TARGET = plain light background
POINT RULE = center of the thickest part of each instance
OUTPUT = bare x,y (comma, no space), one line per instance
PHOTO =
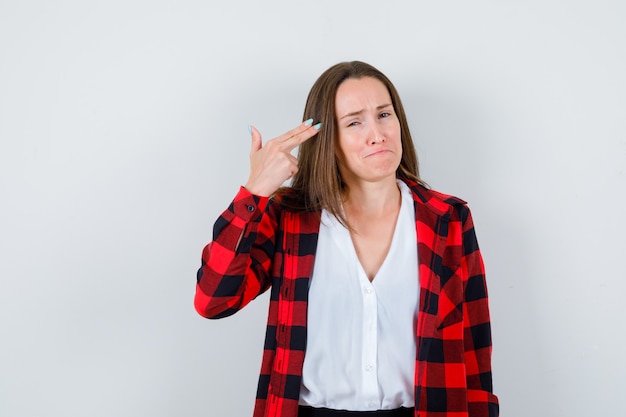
123,135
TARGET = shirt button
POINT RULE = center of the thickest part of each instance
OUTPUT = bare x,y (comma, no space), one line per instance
368,290
250,208
369,368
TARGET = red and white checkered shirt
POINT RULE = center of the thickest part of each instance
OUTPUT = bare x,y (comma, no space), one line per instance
258,244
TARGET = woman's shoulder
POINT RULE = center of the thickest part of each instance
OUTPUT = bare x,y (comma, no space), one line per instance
426,194
439,203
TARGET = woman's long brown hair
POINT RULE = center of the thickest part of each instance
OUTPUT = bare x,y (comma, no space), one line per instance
318,184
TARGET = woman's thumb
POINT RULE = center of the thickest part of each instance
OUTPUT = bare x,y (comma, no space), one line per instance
256,139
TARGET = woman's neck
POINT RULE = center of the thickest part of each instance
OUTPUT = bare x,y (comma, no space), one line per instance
372,199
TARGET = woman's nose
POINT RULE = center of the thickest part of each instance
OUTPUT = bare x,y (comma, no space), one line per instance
375,135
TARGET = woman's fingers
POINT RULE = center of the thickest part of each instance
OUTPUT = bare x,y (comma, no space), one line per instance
298,135
272,164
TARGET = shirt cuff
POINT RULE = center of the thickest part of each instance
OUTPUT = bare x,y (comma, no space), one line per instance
247,205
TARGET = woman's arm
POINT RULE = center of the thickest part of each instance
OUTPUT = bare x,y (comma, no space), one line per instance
477,326
236,264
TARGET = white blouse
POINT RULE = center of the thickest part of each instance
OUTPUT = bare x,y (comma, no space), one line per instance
360,352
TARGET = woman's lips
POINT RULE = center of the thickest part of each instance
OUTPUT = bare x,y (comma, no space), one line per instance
378,153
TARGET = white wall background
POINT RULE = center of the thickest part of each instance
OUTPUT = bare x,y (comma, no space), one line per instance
123,136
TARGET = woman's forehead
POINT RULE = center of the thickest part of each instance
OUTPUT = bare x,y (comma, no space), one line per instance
358,94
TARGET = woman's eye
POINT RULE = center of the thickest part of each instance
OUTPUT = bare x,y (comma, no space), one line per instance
385,114
353,123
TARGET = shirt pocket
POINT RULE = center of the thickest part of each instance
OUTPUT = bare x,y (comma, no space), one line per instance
450,301
453,317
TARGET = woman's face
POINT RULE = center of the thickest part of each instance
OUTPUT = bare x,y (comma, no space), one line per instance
369,146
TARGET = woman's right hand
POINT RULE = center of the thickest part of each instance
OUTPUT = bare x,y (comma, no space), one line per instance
272,164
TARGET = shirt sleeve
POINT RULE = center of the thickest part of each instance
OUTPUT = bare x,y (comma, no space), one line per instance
236,263
477,326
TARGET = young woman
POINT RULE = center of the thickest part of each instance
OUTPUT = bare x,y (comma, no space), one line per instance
378,297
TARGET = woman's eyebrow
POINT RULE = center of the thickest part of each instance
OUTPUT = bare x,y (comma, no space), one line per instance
356,113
